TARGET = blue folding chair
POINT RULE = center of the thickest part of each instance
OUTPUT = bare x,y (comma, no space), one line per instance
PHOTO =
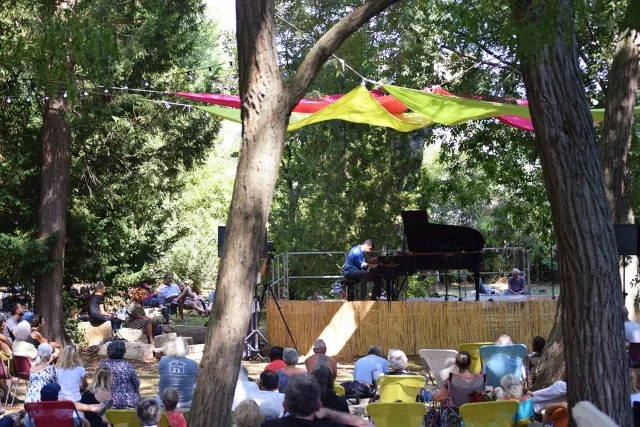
500,360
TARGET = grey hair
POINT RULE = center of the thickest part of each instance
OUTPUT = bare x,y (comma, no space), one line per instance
511,386
302,395
148,412
247,414
504,340
244,374
44,353
374,349
397,360
22,331
175,348
319,345
98,286
290,356
269,411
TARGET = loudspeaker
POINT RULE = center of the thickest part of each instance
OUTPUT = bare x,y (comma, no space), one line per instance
266,248
626,238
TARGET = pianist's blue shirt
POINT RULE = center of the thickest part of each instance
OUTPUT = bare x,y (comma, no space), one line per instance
355,260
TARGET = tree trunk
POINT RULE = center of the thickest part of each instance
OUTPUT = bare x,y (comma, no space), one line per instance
266,106
54,196
596,365
614,152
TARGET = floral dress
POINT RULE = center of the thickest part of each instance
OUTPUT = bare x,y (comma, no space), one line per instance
133,311
125,384
37,380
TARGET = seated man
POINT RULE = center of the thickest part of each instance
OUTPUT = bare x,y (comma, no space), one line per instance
315,296
319,356
16,316
97,314
189,299
355,268
168,293
516,282
366,367
268,391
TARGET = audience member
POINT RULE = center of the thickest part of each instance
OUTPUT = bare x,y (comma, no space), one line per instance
463,362
397,363
170,398
556,414
16,316
275,355
631,328
50,393
178,371
635,385
97,392
136,316
268,391
511,389
369,367
42,373
315,296
247,414
537,346
125,384
290,357
504,340
168,293
23,343
244,388
37,324
155,299
320,356
302,401
516,282
97,313
189,299
271,411
5,341
71,375
328,396
148,412
556,392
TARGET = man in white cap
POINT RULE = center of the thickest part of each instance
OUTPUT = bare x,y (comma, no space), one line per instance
516,282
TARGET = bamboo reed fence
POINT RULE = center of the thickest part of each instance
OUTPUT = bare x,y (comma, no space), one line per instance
349,328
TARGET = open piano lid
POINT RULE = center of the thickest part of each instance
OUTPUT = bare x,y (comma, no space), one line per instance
423,237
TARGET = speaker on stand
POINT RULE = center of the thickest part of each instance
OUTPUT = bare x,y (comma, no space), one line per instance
627,244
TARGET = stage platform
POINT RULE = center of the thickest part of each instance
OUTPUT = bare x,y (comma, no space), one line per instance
349,328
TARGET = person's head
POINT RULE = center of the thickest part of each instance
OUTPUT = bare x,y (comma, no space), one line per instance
397,360
45,353
511,386
138,294
276,353
248,414
302,396
99,288
22,332
324,375
168,279
463,361
181,285
504,340
50,392
320,347
538,344
101,380
69,357
176,348
315,294
625,313
635,380
515,273
2,323
37,321
16,309
170,398
269,411
148,412
290,356
84,291
367,245
375,350
268,380
116,349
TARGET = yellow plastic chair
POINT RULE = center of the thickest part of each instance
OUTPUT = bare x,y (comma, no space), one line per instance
127,418
338,389
474,350
489,414
403,388
397,414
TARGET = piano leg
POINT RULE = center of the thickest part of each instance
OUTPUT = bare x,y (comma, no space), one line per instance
476,276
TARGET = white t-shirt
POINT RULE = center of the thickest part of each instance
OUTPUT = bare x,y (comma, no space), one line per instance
69,380
635,397
244,389
632,331
274,397
169,291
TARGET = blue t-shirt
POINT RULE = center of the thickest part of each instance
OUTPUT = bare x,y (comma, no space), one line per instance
365,366
355,259
516,285
179,373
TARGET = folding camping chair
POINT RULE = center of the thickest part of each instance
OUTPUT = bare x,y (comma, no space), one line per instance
500,360
435,361
489,414
459,391
128,418
21,371
5,375
397,414
474,350
58,413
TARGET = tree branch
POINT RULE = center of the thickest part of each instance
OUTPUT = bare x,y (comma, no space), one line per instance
481,61
328,44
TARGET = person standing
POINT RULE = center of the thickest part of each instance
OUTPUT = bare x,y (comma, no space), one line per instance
516,282
355,268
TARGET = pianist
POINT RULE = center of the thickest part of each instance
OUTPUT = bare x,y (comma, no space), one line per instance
516,282
355,268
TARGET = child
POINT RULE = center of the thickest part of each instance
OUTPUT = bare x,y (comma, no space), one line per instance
170,398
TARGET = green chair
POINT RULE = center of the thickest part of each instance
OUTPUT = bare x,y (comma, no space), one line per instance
127,418
403,388
474,350
338,389
397,414
489,414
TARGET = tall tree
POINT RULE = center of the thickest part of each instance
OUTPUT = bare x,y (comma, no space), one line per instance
565,137
266,105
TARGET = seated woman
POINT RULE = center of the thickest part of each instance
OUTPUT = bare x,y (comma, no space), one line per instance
42,373
125,385
635,385
97,392
397,363
136,316
72,377
324,376
275,355
189,299
463,362
24,345
5,341
290,357
182,379
511,389
37,324
170,398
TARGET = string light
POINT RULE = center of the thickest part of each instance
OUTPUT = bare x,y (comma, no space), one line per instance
146,83
85,93
28,100
64,94
106,90
166,79
210,71
189,76
125,86
8,100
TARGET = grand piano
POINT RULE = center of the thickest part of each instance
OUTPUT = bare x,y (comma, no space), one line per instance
432,247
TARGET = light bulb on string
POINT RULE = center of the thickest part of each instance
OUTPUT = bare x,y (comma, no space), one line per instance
166,79
125,86
106,91
166,104
210,71
189,76
64,95
85,93
28,99
8,100
146,83
46,98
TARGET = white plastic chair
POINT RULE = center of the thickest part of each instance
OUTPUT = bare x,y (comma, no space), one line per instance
435,361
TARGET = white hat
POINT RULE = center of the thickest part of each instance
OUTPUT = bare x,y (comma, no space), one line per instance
515,271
